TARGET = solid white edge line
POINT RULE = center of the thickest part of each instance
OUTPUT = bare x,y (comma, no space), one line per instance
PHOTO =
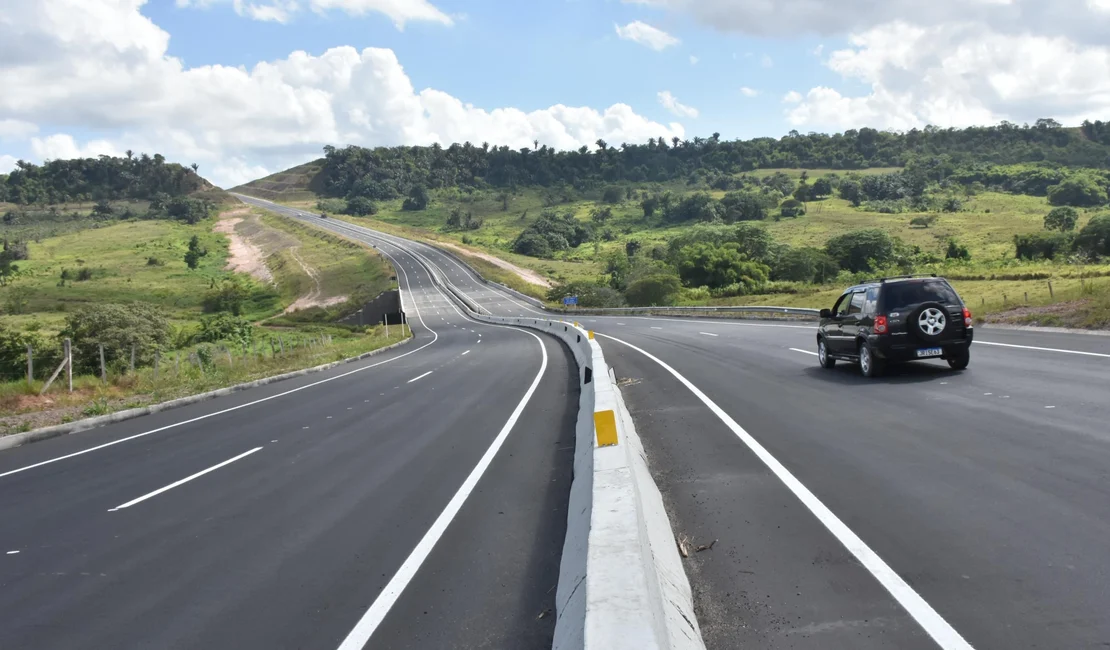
420,377
368,624
1030,347
805,351
936,627
183,481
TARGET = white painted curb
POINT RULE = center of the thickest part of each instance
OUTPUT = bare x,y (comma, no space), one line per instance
621,581
45,433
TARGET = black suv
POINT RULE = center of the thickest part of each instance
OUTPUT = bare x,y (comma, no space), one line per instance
893,320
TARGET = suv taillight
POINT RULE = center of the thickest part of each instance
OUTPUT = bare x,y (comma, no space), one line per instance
880,324
967,318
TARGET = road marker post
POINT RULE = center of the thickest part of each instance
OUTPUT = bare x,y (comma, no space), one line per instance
605,427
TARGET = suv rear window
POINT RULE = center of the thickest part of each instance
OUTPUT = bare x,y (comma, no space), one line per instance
899,295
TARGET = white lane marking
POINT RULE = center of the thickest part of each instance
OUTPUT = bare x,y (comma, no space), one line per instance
12,552
1030,347
654,328
944,634
804,351
373,617
465,353
420,377
620,323
708,334
184,480
1050,407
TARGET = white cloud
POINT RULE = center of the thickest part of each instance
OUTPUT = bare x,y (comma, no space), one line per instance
282,11
99,65
671,103
646,35
694,60
748,92
16,130
958,75
7,164
62,146
792,97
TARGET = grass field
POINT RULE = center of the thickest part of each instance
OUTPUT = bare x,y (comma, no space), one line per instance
144,261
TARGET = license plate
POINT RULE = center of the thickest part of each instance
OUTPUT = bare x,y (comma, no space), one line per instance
929,352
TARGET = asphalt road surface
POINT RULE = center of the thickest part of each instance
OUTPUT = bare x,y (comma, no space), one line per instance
417,498
924,509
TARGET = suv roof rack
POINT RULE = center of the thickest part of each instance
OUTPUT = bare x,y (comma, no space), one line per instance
902,277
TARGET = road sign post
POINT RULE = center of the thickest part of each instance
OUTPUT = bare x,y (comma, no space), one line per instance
570,301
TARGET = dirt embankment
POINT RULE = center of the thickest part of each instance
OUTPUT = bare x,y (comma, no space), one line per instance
528,275
252,242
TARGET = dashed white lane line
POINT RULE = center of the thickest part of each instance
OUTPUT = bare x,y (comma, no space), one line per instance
936,627
465,353
708,334
1030,347
184,480
420,377
12,552
657,328
804,351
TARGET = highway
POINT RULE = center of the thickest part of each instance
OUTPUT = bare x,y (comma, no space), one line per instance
924,509
417,498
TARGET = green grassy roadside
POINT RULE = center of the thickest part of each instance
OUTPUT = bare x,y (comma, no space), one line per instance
144,261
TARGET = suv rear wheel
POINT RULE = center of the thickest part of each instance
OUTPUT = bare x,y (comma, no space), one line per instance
823,354
869,364
959,360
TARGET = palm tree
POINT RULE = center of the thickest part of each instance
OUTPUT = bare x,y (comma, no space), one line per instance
195,167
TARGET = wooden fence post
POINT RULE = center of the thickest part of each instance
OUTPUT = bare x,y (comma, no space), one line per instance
176,363
156,357
385,319
1050,293
281,342
30,364
132,365
67,349
1027,297
103,370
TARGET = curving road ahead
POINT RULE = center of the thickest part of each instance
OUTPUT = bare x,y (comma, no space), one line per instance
925,509
928,508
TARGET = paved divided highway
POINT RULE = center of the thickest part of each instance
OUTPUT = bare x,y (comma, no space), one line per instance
420,496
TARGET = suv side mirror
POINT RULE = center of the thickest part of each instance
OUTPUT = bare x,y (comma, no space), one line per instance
826,313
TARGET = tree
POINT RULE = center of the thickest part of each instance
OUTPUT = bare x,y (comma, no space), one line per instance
632,247
956,251
194,253
804,265
417,199
656,289
850,190
742,206
1079,190
719,266
532,244
1062,218
361,206
650,205
1094,238
861,250
229,296
612,194
103,209
821,188
117,327
1039,245
792,207
601,215
588,293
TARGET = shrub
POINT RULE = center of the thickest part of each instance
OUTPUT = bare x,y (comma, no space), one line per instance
1040,245
13,353
589,294
225,327
861,250
804,265
154,261
361,206
657,289
1079,190
1062,218
792,208
613,194
952,204
117,327
532,245
229,296
417,199
84,274
718,266
923,221
956,251
1094,238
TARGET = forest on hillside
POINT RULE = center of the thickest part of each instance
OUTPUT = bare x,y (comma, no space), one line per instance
104,178
391,172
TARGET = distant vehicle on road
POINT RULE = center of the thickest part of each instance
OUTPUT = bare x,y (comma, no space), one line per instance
323,215
892,320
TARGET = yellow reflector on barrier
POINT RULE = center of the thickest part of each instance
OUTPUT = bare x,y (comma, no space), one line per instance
605,424
590,334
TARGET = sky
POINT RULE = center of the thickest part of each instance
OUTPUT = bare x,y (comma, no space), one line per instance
245,88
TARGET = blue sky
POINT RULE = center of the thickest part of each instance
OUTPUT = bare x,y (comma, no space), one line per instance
219,82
